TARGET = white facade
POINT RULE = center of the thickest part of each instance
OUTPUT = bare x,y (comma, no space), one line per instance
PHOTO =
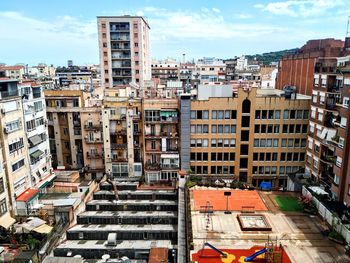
268,81
35,124
242,63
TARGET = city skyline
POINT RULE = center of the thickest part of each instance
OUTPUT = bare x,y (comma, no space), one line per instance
37,32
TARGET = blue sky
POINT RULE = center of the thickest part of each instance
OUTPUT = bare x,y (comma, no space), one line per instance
55,31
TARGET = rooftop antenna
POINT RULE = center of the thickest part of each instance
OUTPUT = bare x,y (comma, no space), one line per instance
347,27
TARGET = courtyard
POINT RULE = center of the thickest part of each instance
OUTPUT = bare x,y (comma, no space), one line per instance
295,234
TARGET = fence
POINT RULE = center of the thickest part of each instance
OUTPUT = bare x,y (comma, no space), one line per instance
327,215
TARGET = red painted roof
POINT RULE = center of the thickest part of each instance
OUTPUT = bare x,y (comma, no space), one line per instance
27,195
11,67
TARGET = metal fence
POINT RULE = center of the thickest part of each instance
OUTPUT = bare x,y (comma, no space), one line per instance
328,216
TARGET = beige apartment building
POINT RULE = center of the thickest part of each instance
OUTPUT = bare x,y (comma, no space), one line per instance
75,131
122,133
5,216
254,136
13,142
161,139
124,50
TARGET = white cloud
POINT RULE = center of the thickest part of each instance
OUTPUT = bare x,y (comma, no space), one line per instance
300,8
205,24
244,16
216,10
62,36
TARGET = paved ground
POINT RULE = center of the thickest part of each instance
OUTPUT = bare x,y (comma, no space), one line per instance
298,233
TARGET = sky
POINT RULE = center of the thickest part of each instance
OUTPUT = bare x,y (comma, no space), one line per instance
54,31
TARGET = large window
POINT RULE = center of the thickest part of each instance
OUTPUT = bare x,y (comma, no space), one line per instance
16,145
13,126
2,188
17,165
3,207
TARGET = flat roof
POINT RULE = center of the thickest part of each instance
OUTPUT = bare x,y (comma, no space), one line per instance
128,213
28,195
132,202
125,244
124,192
126,17
135,228
276,92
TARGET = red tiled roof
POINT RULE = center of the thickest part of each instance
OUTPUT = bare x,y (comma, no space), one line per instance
27,195
11,67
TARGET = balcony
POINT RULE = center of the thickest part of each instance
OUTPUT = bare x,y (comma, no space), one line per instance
170,166
329,159
120,47
153,136
92,127
137,132
8,94
120,160
119,146
92,141
152,166
94,155
121,57
95,169
169,119
120,38
119,132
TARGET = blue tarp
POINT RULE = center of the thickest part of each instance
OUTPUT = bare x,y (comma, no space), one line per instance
266,186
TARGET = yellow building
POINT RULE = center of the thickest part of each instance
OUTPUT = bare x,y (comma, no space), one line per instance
253,136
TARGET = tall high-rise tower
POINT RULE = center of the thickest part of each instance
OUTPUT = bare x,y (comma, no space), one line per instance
124,50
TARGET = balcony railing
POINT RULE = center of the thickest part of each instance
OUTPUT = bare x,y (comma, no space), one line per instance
90,127
94,155
120,160
152,166
170,166
8,94
97,140
328,159
119,145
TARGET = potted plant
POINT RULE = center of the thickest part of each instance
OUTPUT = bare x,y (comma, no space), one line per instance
336,237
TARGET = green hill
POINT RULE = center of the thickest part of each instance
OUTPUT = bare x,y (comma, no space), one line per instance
275,56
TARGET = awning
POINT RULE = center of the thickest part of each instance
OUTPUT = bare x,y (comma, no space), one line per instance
46,181
331,134
6,221
36,154
43,229
170,156
34,140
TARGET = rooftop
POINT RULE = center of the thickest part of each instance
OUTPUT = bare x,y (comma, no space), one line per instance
114,227
128,213
126,244
27,195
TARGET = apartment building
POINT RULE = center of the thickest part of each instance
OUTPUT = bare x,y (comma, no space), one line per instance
254,136
162,72
328,148
35,125
13,72
161,139
124,50
5,216
13,142
92,138
298,69
210,70
64,127
122,133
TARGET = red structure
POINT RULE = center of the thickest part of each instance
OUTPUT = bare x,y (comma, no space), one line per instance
298,69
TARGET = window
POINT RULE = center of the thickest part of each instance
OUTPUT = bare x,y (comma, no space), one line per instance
284,143
277,114
214,114
220,114
193,143
213,142
13,126
2,188
286,114
3,207
38,106
339,161
16,145
233,128
205,115
213,129
227,114
336,179
233,143
205,128
193,114
17,165
205,143
306,114
346,102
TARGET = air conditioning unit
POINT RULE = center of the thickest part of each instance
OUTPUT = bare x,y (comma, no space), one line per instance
6,130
